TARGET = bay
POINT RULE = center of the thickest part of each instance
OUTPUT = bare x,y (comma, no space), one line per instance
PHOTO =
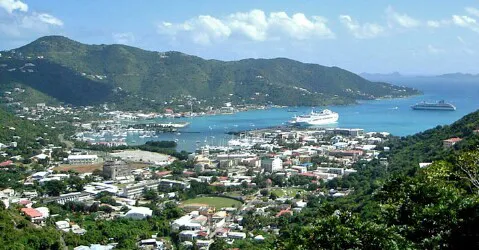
389,115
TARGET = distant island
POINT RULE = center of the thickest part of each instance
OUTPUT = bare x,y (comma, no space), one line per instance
396,76
58,69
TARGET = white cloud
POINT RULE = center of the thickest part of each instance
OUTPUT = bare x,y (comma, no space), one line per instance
402,20
202,30
28,24
48,19
472,11
466,22
434,50
12,5
254,25
366,30
124,38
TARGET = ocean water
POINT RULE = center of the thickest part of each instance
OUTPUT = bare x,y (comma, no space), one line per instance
391,115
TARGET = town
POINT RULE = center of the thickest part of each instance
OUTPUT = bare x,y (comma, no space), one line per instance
233,193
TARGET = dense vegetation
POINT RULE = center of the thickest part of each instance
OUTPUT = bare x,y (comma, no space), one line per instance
77,73
18,233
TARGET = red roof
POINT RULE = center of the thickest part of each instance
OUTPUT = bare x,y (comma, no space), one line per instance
308,174
6,163
454,139
31,212
283,212
163,173
203,234
223,178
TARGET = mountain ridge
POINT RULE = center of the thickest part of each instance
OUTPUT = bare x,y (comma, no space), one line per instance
121,73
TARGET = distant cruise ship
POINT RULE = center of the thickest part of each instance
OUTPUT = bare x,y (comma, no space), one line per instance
316,118
441,105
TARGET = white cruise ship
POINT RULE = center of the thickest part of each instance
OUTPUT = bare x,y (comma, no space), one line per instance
316,118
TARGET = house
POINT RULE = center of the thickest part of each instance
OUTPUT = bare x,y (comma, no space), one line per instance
236,235
188,235
139,213
34,215
151,244
63,225
451,142
40,175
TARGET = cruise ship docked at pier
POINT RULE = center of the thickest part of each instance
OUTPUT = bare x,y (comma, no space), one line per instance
316,118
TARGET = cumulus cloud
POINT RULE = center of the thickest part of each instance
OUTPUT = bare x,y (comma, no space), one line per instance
364,31
124,38
48,19
254,25
19,22
402,20
466,22
13,5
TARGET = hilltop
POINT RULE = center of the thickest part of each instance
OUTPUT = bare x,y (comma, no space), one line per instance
81,74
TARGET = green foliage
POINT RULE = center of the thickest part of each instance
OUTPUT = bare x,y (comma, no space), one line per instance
18,233
54,187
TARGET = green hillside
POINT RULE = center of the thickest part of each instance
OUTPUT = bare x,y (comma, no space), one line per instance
77,73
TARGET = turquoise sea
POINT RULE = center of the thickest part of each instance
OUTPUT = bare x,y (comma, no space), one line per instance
391,115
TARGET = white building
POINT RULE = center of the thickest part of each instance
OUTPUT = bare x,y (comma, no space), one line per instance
272,165
82,159
139,213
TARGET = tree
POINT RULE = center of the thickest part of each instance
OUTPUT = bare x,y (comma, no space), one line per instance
468,164
273,196
264,192
150,194
54,187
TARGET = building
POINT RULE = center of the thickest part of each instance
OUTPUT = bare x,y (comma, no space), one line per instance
82,159
64,198
272,165
34,215
139,213
236,235
451,142
136,190
115,169
166,185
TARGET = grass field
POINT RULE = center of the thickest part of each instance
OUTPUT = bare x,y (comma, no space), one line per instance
217,202
291,192
80,168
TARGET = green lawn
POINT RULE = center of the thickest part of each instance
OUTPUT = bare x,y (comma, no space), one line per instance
217,202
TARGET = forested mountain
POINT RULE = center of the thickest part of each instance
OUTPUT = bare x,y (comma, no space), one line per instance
77,73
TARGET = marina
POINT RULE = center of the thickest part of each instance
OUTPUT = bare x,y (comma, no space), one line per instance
216,131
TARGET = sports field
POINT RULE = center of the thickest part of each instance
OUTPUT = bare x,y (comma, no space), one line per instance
217,202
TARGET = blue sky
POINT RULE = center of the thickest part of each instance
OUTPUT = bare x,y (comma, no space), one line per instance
412,37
